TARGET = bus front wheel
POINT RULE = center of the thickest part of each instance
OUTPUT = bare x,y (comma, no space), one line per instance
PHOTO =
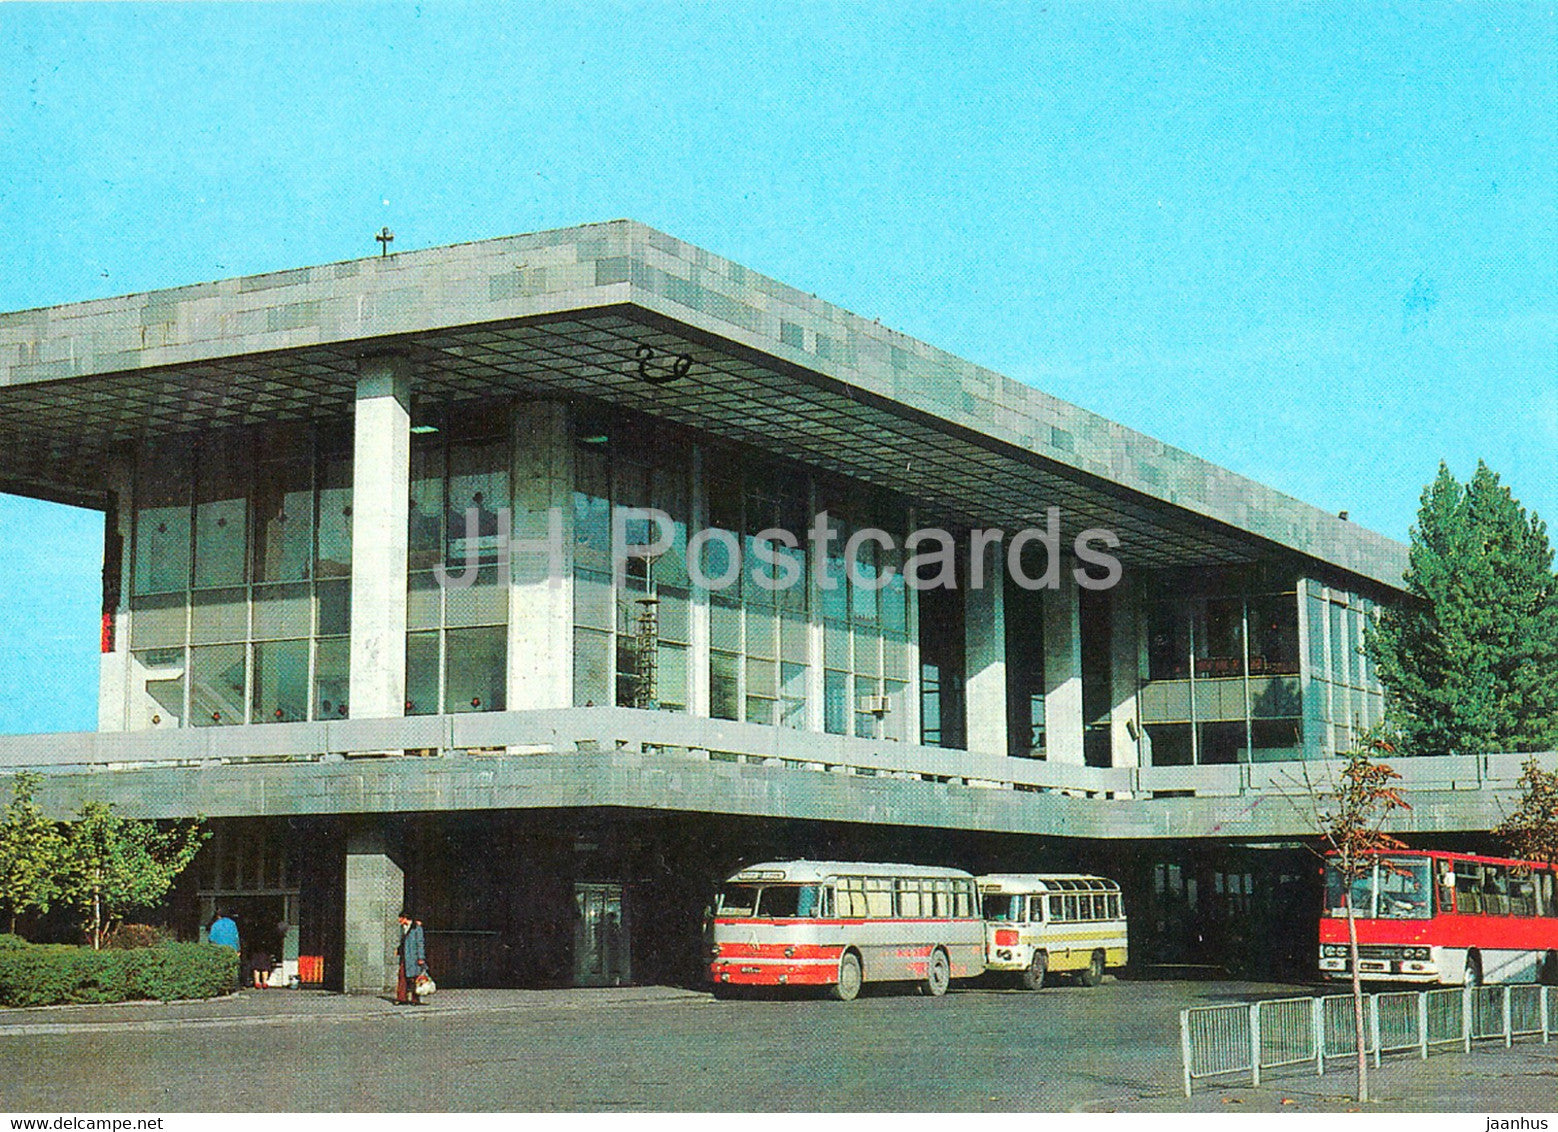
1033,975
938,974
848,985
1093,973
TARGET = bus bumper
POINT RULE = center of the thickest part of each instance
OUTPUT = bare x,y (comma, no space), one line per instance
774,972
1383,970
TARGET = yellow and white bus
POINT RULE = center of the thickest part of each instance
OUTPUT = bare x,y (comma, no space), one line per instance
1040,923
838,924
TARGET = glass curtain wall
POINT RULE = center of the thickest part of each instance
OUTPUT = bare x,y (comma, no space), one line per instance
240,576
1343,695
457,635
1222,678
632,637
865,651
631,640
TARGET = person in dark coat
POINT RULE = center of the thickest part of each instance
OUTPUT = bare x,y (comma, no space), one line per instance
413,960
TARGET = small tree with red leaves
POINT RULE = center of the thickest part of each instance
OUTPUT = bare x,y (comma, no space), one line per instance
1350,819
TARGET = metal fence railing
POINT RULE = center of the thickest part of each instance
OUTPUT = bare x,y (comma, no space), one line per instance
1248,1038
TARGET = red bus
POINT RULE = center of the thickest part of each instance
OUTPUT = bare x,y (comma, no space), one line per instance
1451,918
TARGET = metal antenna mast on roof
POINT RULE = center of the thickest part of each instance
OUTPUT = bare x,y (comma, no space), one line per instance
385,238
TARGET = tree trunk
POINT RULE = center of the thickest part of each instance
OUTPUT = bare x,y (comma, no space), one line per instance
1357,997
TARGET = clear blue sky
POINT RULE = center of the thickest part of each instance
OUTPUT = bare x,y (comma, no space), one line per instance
1313,243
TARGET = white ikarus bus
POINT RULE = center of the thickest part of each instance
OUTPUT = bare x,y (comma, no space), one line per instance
1040,923
838,924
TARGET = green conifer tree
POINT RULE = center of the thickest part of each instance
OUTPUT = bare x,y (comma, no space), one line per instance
1471,662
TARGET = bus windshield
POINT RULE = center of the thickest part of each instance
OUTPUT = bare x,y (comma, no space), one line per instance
770,901
1002,907
1396,888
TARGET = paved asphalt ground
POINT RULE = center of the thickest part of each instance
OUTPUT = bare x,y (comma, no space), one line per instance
653,1049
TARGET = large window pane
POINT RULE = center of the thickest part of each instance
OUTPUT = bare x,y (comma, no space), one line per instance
591,667
216,685
724,687
162,522
335,514
835,702
422,673
1168,641
280,682
672,683
221,512
1274,634
163,671
332,678
424,527
479,482
476,667
284,506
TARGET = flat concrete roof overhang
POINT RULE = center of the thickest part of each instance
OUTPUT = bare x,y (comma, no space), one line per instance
570,313
622,758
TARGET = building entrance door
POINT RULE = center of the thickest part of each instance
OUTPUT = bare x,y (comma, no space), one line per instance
600,936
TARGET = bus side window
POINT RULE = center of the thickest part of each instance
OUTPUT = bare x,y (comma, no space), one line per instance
825,903
962,909
909,903
1495,890
1468,888
1055,912
852,898
1522,894
1071,908
1549,892
879,897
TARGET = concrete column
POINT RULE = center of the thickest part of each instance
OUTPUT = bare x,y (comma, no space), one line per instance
114,672
984,650
1124,672
375,890
1063,672
698,601
540,645
910,726
816,640
381,475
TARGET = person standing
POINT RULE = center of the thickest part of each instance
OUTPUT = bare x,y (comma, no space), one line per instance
413,960
224,933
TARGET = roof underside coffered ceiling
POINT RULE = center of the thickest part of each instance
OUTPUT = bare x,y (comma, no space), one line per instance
57,434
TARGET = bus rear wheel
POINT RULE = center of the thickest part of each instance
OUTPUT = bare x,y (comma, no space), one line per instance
848,985
1033,974
1093,973
938,974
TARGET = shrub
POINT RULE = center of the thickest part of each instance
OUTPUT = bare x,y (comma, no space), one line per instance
126,936
46,974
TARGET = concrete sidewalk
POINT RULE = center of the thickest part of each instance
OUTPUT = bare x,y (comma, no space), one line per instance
1491,1079
285,1007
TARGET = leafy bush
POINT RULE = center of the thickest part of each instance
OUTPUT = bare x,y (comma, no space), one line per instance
46,974
126,936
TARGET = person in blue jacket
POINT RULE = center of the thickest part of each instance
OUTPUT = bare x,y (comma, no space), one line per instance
413,960
224,933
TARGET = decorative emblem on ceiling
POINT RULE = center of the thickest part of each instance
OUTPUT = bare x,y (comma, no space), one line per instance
661,369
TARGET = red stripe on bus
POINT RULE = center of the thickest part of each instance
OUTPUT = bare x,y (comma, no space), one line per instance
1534,933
